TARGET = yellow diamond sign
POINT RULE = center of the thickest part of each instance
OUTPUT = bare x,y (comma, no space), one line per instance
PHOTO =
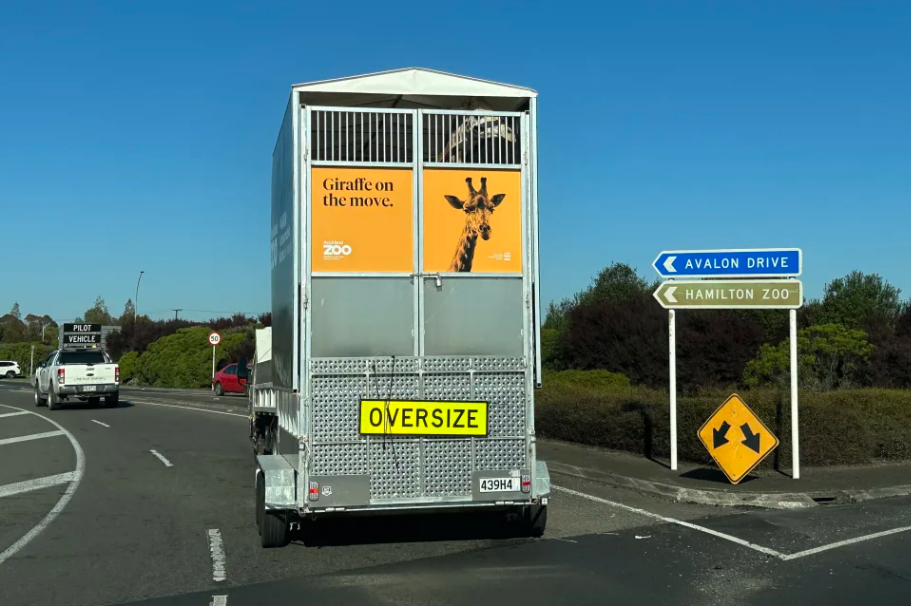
736,438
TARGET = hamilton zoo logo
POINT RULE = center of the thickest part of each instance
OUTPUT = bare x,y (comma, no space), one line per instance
336,251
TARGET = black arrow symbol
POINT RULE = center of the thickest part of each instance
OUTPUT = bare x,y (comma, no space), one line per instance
718,435
751,439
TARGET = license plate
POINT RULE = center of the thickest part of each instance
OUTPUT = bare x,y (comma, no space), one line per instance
90,388
500,485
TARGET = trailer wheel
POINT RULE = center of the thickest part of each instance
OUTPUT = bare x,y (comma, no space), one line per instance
274,530
534,520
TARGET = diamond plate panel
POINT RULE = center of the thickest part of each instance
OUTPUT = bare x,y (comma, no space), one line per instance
339,459
335,402
498,364
492,453
395,469
447,468
447,364
447,387
506,394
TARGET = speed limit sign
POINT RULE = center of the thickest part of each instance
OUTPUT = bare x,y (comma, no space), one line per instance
214,338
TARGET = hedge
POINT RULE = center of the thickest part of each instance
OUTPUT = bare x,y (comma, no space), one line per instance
849,427
22,353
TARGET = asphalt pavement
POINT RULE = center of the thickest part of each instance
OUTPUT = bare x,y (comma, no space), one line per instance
152,503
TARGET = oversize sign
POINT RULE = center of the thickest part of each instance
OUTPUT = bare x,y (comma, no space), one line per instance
422,418
730,294
362,220
737,440
734,263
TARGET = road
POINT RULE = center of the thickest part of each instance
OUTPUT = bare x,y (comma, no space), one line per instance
152,503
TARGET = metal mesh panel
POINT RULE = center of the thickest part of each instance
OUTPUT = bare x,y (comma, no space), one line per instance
335,403
447,387
351,366
499,364
447,468
360,136
506,394
339,459
472,139
500,454
395,469
446,364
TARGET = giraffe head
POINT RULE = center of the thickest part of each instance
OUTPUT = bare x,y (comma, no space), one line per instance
478,207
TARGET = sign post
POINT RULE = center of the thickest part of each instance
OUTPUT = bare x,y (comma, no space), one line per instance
749,278
214,340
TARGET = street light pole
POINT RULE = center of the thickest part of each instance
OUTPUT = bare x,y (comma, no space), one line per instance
136,298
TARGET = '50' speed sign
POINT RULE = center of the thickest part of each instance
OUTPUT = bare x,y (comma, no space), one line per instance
214,338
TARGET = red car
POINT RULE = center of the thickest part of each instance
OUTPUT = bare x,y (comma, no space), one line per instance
227,381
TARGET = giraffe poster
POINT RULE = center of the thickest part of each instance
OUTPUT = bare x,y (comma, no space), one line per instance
472,221
362,220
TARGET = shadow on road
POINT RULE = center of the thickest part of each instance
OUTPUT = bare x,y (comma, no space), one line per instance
337,532
80,405
707,474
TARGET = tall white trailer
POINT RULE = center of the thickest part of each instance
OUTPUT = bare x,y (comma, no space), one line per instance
405,342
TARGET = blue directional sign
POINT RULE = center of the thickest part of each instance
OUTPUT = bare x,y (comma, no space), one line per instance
734,263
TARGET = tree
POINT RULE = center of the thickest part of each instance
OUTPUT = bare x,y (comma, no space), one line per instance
829,356
129,312
98,314
12,329
860,301
15,311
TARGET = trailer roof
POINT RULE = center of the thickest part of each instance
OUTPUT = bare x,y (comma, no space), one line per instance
415,87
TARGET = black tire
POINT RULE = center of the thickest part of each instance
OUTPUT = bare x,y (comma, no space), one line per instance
39,401
260,502
113,400
53,402
219,390
274,530
535,520
11,375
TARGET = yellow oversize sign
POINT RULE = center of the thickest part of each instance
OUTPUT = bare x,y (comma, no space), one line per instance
736,438
423,418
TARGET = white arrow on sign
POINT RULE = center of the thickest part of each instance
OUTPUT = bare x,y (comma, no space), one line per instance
669,294
669,264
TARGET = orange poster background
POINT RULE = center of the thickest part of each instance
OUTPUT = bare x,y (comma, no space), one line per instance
380,237
444,225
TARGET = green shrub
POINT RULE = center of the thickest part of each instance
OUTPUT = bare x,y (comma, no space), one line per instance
127,363
184,359
22,353
849,427
590,379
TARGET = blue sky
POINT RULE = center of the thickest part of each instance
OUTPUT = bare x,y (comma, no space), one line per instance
147,133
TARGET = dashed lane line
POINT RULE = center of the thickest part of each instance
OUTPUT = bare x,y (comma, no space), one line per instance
219,600
100,423
34,436
161,458
64,500
216,548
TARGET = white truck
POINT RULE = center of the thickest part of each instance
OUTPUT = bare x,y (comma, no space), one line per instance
405,338
78,369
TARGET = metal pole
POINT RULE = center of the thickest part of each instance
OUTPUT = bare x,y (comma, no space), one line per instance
31,364
136,298
213,367
795,433
672,329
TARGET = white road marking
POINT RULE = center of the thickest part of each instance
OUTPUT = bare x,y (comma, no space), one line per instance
14,414
28,485
727,537
820,549
64,500
34,436
161,458
655,516
219,600
214,412
216,548
102,424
